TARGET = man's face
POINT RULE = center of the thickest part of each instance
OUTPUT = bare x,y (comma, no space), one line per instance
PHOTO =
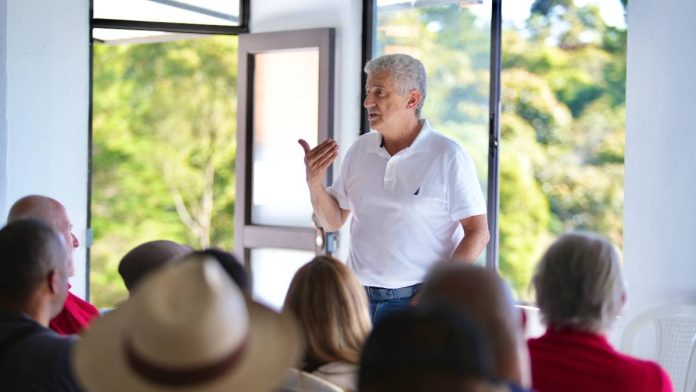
386,109
64,228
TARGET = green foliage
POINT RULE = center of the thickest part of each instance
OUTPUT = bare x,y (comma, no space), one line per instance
562,120
164,150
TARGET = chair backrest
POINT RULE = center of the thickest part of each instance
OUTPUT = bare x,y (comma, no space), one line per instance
675,340
299,381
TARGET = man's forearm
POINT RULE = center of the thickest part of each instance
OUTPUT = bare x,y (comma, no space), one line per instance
326,208
471,246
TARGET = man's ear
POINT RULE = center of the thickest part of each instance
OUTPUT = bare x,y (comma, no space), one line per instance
414,98
52,281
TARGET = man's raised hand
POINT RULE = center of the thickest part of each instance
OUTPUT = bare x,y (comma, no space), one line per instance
318,159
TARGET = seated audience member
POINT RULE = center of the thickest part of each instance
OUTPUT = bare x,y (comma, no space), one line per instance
332,309
484,297
76,313
147,257
426,348
33,287
188,327
580,291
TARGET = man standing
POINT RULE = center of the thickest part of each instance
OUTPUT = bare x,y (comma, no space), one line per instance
76,313
414,195
33,287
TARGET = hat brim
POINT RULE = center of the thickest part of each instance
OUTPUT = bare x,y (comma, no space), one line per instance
100,362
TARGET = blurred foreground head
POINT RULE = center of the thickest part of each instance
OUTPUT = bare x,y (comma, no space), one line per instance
579,284
484,297
426,348
188,327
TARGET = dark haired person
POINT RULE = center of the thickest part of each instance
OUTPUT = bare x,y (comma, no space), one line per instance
484,297
33,287
427,348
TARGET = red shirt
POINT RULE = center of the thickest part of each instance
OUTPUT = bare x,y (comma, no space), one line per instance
74,317
573,361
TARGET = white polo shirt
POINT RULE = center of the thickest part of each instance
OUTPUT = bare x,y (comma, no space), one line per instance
405,208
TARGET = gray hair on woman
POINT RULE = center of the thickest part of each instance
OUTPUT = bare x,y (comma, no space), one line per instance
406,72
579,284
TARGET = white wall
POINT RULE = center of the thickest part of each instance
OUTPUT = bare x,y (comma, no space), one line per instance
660,181
3,105
346,17
47,98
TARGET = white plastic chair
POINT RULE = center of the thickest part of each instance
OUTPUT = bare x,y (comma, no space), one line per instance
675,339
299,381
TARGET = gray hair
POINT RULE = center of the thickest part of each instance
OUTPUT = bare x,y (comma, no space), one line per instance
406,72
579,284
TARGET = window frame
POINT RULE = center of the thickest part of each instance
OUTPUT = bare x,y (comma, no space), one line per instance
174,27
249,235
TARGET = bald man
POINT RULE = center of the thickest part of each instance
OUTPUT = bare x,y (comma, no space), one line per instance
77,313
484,297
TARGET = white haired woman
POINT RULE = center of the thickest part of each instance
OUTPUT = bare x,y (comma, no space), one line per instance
580,291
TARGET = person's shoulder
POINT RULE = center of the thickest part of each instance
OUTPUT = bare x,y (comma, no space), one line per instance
445,144
52,341
653,374
81,303
367,138
646,375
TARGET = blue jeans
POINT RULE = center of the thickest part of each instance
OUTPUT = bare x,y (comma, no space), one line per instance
384,301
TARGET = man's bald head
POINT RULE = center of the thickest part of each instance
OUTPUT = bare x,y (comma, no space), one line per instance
483,296
146,258
51,211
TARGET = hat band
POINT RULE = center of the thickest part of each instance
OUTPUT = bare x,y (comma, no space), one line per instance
181,376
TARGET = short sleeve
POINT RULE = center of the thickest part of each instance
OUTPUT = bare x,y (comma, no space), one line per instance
464,195
339,188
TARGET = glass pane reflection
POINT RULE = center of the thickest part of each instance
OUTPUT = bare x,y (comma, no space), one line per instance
285,109
208,12
272,270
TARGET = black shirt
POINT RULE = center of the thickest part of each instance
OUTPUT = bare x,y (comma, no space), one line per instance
32,357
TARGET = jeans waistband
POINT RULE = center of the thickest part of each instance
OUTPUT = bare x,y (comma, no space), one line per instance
382,294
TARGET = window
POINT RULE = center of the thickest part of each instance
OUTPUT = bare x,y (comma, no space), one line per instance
163,135
192,12
562,96
562,127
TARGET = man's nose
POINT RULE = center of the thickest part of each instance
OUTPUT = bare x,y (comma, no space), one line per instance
75,242
368,102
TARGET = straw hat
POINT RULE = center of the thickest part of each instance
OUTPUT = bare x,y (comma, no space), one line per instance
187,328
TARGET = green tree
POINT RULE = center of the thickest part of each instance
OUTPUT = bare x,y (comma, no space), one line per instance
164,150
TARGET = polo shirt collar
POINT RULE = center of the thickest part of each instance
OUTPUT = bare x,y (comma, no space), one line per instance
419,143
423,137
